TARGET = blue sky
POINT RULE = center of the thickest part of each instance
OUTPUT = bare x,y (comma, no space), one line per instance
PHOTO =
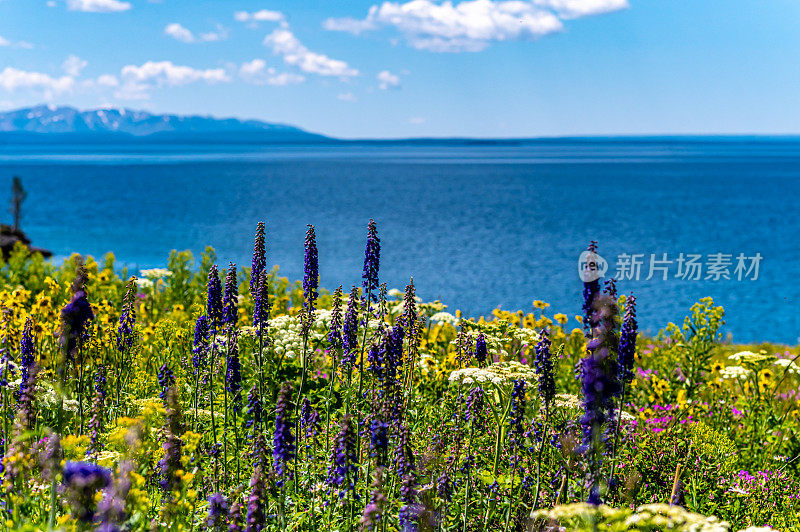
486,68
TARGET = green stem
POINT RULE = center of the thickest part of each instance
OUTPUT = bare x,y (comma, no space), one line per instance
466,497
225,416
211,399
297,404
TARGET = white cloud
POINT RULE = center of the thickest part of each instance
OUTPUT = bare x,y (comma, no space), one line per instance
183,34
73,65
178,32
220,34
107,80
98,6
416,120
569,9
351,25
284,43
167,73
471,25
18,44
252,68
347,97
264,15
387,80
12,79
283,78
256,72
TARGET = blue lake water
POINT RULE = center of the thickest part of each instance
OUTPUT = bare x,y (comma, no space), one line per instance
476,226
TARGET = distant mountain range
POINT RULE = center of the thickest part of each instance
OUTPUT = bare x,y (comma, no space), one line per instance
46,124
50,123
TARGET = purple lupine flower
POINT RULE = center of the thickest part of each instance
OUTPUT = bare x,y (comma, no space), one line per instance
309,423
410,310
127,319
375,358
217,512
544,368
171,462
372,257
411,510
676,498
310,271
230,300
481,352
283,445
27,352
261,303
49,454
233,377
6,369
76,314
256,502
254,409
235,517
259,258
610,288
98,404
81,481
444,487
343,469
26,406
111,509
516,430
350,332
377,502
202,330
259,452
475,404
393,353
335,330
214,298
403,453
379,440
590,290
627,342
166,379
599,385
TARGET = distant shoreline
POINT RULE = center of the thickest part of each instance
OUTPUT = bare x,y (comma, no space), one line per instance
249,139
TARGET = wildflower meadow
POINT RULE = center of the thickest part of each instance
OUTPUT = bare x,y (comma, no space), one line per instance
214,396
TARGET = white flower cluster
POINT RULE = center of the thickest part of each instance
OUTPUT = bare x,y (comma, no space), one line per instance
394,292
749,358
527,336
48,398
499,374
788,364
584,516
567,400
668,517
495,343
286,332
735,372
444,317
155,273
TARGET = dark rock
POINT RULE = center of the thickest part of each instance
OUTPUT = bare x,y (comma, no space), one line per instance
9,238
